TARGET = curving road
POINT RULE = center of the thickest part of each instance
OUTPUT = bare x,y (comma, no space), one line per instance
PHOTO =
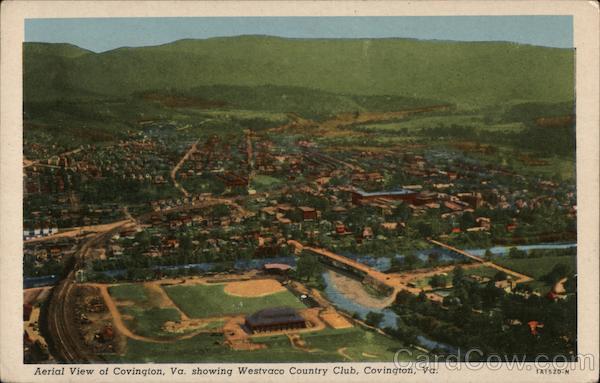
174,171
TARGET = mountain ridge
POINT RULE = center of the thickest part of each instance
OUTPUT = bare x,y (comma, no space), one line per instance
479,73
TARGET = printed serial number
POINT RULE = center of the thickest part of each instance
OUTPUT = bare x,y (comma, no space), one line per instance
551,371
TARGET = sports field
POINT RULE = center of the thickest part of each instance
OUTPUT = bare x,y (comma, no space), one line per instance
355,344
201,301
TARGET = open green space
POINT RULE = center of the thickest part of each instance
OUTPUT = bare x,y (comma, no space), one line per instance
324,344
263,182
149,321
129,292
536,267
202,301
145,317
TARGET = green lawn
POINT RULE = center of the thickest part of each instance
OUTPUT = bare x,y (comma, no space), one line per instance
147,317
210,300
356,341
149,322
262,182
536,267
129,292
210,348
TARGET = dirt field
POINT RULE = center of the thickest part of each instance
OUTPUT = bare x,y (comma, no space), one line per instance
334,319
253,288
354,289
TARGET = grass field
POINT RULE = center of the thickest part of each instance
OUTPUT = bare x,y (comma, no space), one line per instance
262,182
556,165
325,345
149,322
129,292
536,267
145,317
202,301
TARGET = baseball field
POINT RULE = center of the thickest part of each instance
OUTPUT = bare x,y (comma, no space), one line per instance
213,300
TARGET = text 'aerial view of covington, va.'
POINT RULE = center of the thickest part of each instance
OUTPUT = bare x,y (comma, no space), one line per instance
258,198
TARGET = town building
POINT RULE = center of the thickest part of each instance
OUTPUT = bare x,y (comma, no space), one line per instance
360,196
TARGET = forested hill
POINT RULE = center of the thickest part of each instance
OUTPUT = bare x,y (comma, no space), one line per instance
467,73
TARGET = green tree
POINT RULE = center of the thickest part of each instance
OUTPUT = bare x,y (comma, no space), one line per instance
221,210
488,255
433,258
500,276
458,276
437,280
558,272
424,229
411,261
374,319
308,267
513,252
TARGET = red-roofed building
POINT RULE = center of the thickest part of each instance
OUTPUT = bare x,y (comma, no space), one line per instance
277,268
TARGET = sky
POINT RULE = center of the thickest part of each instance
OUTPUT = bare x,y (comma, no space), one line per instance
102,34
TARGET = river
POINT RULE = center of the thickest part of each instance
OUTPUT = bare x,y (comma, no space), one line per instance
241,265
343,302
383,263
503,250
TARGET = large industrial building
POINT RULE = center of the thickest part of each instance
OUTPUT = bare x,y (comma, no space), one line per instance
359,196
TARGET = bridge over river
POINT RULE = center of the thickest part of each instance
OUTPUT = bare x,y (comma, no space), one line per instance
519,278
392,283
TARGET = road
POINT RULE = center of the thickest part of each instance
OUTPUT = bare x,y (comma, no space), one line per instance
249,154
401,281
117,319
521,278
390,281
374,274
27,163
174,171
68,346
210,201
77,231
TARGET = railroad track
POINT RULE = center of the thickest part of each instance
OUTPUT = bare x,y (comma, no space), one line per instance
61,325
67,342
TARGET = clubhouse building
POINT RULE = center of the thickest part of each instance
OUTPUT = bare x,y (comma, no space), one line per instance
274,319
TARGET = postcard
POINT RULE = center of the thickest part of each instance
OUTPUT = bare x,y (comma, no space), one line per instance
299,191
